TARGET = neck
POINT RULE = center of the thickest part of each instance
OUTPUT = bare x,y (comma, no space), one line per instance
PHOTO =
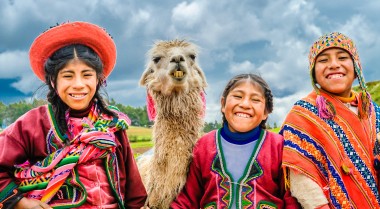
240,137
80,113
349,99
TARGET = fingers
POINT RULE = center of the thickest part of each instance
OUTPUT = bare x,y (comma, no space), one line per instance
26,203
45,206
41,205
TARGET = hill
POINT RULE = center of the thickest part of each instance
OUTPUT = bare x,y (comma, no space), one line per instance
374,89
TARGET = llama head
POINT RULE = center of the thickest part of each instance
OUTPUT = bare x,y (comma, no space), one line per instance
172,68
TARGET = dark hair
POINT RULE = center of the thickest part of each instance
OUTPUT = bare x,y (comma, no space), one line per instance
255,80
57,62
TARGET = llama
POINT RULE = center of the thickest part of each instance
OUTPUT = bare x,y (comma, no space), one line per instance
175,86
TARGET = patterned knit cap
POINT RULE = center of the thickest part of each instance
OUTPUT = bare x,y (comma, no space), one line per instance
338,40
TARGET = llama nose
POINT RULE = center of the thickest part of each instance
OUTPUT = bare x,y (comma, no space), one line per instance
177,58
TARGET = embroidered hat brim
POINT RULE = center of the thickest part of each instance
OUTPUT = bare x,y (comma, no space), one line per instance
69,33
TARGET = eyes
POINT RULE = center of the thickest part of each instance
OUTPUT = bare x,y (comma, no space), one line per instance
324,58
69,75
157,59
255,98
192,56
341,58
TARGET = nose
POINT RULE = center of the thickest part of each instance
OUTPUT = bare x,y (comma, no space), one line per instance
177,58
245,102
334,63
78,83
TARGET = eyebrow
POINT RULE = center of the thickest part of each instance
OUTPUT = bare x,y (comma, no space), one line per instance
339,52
241,91
72,71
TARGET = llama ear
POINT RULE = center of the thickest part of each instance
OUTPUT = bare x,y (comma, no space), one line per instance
142,81
144,77
150,107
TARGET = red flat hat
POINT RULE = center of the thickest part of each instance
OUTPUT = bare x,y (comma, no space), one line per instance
69,33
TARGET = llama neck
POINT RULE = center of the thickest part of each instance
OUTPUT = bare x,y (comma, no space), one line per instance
178,116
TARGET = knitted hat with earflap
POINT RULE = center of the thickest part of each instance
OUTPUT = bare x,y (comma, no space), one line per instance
338,40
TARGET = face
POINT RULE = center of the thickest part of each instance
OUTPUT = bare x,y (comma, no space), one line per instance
334,71
244,107
76,84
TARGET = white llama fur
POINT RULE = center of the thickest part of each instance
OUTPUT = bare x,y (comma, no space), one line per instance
175,82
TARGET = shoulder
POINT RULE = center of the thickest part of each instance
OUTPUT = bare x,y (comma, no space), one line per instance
207,137
205,148
274,138
30,121
34,114
207,141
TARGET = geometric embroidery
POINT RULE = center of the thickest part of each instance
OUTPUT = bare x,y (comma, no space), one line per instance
266,205
244,187
302,143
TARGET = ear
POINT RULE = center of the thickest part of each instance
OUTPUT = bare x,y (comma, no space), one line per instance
144,76
222,104
265,116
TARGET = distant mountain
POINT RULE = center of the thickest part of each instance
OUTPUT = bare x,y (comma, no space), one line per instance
373,89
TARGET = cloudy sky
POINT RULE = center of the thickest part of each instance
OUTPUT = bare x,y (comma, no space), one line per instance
271,38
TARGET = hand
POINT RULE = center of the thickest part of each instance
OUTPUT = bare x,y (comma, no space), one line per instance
26,203
144,207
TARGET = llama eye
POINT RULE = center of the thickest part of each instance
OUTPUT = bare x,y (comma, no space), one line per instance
192,56
156,59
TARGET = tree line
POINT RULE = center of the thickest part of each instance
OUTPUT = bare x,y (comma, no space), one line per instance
138,115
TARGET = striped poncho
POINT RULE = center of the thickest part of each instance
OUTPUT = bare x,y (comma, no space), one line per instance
338,153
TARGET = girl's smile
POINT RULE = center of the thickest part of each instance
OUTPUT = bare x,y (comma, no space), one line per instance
244,107
76,84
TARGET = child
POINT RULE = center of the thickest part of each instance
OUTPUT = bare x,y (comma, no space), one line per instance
239,165
331,151
73,152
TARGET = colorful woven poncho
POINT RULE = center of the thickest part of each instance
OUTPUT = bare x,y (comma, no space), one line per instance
337,152
96,141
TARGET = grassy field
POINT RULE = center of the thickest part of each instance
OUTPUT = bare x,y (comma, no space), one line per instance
136,134
140,138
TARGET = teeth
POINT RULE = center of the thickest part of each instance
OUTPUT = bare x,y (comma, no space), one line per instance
77,95
178,74
243,115
336,76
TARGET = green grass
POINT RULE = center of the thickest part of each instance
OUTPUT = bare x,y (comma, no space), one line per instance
140,138
275,130
374,89
141,144
136,134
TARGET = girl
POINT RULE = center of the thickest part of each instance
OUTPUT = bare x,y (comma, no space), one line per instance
239,165
331,151
73,152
